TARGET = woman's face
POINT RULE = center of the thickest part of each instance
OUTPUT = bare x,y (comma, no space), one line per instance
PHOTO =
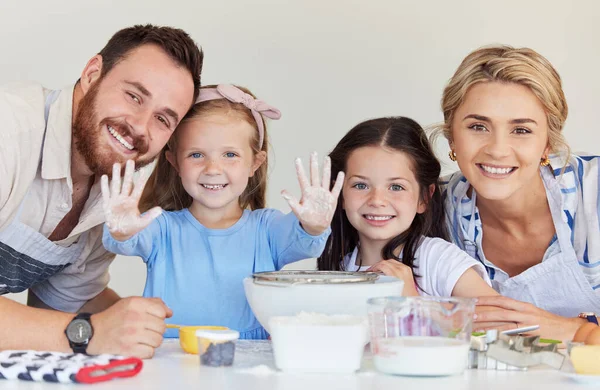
499,135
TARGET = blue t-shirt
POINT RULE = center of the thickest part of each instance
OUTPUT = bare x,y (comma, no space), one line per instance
198,272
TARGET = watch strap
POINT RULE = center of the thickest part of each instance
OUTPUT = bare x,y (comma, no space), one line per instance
590,317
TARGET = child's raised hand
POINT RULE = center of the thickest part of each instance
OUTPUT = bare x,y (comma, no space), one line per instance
317,205
120,203
398,270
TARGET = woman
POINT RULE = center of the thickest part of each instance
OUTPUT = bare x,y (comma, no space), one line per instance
521,203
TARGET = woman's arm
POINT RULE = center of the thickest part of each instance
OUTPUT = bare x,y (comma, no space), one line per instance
504,313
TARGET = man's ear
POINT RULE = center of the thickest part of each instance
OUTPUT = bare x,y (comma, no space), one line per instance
91,73
172,159
259,159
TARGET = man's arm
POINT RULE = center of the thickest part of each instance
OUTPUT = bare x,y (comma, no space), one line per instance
32,328
101,302
132,327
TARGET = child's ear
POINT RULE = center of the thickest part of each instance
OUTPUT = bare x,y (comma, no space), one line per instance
423,205
91,73
172,159
259,159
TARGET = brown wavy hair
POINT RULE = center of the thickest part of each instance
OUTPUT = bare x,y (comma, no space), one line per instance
164,186
506,64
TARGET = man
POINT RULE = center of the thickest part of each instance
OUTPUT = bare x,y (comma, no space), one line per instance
54,146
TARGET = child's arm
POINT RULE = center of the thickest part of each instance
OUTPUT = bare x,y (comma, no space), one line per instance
471,285
120,203
125,230
289,242
317,205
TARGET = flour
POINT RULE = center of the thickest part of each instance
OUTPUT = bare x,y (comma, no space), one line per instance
307,318
260,370
420,356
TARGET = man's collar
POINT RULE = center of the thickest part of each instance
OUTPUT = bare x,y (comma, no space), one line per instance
56,156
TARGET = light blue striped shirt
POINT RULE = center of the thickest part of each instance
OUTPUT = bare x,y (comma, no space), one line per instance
580,210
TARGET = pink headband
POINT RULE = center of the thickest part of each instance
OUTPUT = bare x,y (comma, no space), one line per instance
236,95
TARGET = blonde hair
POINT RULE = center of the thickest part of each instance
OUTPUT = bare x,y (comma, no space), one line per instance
164,187
506,64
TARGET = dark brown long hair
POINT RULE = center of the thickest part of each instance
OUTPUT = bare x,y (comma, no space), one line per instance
406,136
164,186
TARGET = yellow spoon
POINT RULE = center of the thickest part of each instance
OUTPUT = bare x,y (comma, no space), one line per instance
173,326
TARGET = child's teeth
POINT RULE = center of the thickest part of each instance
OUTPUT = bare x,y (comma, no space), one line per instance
213,187
119,138
379,218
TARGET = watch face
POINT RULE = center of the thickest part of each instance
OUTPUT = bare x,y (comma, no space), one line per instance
79,331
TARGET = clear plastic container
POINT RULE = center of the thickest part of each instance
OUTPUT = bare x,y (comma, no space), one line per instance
216,348
420,336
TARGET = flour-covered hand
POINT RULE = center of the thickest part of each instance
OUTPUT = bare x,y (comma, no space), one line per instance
317,205
120,203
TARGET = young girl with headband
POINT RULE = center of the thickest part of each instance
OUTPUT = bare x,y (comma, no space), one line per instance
211,181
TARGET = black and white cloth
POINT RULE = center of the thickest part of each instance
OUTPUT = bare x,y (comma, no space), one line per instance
61,367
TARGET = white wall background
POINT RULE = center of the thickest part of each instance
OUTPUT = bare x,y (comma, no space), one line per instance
327,64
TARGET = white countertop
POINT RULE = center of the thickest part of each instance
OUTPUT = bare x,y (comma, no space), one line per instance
172,369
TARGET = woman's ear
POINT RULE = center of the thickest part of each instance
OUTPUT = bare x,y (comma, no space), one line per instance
422,204
171,158
547,151
259,159
91,73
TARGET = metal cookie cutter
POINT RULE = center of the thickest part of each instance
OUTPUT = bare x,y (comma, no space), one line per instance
494,351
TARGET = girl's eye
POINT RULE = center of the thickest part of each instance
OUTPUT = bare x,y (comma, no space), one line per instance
230,155
196,155
360,186
396,187
134,98
522,130
477,127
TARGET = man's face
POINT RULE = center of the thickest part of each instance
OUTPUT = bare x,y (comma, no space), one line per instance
130,112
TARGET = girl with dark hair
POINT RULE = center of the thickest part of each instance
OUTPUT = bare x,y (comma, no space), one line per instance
390,215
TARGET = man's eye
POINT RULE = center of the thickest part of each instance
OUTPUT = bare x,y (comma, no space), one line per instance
134,98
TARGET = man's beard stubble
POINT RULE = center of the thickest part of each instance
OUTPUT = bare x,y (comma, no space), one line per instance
87,133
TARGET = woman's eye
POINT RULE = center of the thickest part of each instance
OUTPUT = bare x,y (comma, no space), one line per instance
396,187
230,155
522,130
196,155
478,127
360,186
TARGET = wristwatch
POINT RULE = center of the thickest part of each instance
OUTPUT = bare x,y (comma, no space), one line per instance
79,332
591,317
